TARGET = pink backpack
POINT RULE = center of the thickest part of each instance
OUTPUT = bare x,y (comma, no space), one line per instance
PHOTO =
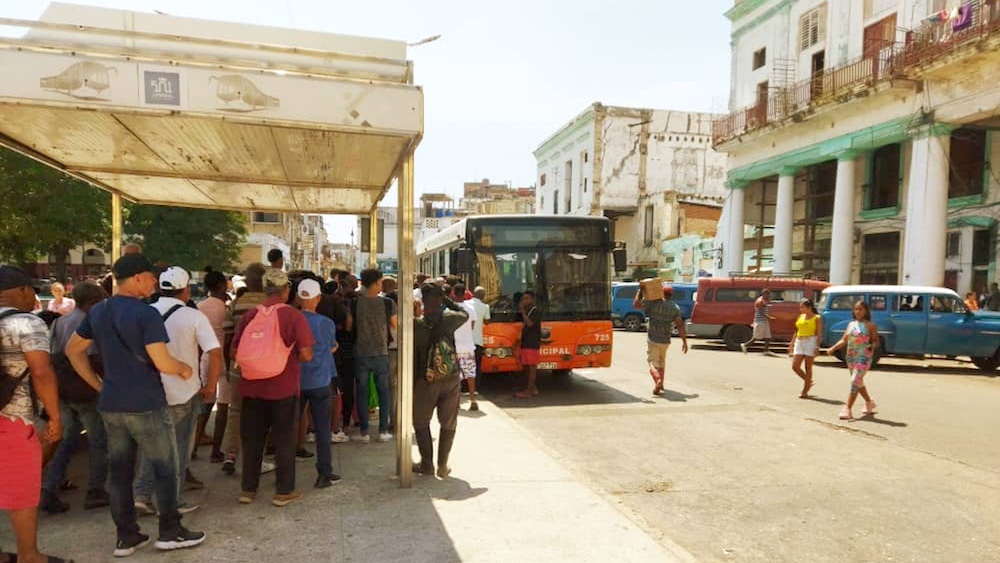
262,353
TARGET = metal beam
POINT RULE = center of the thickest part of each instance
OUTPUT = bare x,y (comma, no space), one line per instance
373,238
208,177
407,268
116,230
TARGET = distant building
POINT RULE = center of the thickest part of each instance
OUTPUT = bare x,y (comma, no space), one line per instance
484,198
652,172
299,237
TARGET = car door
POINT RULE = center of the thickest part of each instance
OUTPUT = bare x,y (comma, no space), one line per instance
949,330
908,321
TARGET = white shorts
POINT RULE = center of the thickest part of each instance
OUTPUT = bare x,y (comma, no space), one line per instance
467,361
805,346
762,331
224,389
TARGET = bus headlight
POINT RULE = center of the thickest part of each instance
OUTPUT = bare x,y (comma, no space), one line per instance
584,350
499,352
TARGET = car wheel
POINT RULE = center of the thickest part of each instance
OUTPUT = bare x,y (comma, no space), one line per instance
988,364
734,335
633,323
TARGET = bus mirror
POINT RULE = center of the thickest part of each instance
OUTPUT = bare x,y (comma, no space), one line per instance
465,256
620,258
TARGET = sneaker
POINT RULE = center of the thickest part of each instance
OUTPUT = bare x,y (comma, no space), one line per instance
128,546
143,508
870,407
303,453
324,481
96,498
183,538
191,483
229,466
339,438
187,508
743,347
310,437
363,438
267,467
384,437
217,457
52,504
285,500
246,497
845,414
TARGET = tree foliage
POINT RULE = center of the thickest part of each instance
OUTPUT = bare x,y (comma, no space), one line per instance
192,238
44,211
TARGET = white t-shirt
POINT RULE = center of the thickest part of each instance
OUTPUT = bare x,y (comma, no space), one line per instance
464,343
482,315
188,329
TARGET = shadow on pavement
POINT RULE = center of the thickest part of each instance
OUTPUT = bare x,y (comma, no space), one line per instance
834,402
554,390
874,418
677,397
451,488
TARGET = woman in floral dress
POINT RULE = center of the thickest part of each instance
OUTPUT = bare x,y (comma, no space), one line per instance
861,340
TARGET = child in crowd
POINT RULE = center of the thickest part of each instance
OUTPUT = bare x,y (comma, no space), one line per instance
861,340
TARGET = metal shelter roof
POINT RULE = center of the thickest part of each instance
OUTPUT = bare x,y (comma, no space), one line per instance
198,113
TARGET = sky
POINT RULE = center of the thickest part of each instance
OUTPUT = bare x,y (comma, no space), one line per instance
505,74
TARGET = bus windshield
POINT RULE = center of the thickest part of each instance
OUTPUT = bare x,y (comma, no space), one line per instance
570,284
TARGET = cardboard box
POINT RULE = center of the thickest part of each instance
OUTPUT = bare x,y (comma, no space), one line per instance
652,289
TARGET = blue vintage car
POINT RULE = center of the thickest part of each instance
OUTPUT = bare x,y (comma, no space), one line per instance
914,321
624,315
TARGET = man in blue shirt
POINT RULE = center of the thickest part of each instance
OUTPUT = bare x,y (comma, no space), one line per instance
132,342
317,374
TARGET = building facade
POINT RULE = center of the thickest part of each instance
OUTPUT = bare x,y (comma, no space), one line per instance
485,198
301,238
642,168
860,140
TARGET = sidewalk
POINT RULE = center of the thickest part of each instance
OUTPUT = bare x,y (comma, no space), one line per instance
507,501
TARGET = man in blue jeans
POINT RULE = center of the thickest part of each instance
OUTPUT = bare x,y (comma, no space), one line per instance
316,376
189,331
132,342
373,317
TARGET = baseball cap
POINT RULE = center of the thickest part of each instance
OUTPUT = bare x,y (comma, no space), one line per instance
131,265
174,278
309,288
12,277
274,277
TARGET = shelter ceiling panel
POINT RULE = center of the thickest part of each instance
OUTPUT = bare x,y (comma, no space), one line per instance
208,147
281,198
344,159
78,138
148,189
336,200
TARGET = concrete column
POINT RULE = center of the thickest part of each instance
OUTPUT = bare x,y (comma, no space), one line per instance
965,259
407,269
926,210
842,243
784,219
733,253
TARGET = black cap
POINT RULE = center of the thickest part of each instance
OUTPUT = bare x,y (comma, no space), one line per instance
12,277
431,290
131,265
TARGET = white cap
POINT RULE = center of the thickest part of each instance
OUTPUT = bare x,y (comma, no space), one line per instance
309,288
174,278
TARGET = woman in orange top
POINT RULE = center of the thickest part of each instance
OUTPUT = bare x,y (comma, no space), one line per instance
805,344
971,302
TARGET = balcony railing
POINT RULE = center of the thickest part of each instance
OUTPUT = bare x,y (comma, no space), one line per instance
975,21
822,87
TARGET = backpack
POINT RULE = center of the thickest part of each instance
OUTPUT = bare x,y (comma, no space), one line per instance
262,353
9,383
442,359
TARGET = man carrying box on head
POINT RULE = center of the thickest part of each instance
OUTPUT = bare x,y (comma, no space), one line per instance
655,299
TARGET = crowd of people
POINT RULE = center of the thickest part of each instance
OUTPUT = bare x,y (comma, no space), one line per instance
288,359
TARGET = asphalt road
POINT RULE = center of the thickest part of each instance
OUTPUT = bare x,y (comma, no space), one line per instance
730,465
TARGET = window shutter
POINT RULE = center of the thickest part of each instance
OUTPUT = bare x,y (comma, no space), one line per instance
804,33
821,24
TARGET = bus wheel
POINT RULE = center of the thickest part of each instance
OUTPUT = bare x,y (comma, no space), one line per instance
633,323
734,335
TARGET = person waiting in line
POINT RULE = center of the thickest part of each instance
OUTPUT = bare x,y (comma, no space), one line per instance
389,291
482,315
761,323
465,345
374,316
78,406
663,315
531,341
805,344
276,258
436,378
221,318
60,303
332,306
132,341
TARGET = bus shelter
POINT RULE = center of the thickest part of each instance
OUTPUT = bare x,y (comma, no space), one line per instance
165,110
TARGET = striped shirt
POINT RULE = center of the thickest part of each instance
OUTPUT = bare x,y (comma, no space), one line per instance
760,313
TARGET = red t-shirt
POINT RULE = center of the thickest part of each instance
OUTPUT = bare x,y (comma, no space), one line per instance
295,332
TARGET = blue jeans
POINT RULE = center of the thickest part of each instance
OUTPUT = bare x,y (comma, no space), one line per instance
321,406
152,433
379,365
77,416
185,419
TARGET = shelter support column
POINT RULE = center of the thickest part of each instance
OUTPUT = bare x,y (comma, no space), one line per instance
404,377
842,236
784,222
927,209
116,226
733,253
373,238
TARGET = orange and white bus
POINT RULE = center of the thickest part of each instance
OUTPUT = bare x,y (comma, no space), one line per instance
566,261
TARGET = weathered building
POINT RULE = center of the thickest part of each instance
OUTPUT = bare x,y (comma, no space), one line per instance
642,168
860,140
299,237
